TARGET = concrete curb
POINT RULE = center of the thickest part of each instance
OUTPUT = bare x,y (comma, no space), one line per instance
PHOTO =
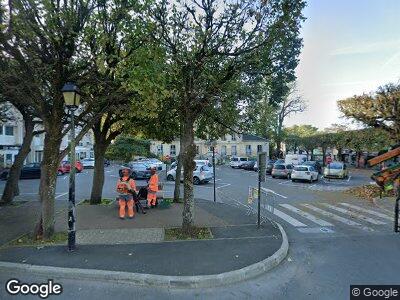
200,281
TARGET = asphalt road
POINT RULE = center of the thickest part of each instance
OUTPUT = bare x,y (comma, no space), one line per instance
335,240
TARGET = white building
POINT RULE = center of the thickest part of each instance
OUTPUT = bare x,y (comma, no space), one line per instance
227,146
12,134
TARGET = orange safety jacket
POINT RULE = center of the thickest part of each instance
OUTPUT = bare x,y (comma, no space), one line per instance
153,184
124,184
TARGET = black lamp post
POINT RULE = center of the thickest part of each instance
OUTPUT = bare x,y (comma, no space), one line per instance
72,99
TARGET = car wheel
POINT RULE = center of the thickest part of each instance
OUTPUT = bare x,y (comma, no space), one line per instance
288,176
170,177
311,180
196,180
273,176
293,180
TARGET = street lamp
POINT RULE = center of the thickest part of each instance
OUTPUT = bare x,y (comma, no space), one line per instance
72,99
213,144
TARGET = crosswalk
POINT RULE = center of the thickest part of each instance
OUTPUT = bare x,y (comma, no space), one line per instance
327,215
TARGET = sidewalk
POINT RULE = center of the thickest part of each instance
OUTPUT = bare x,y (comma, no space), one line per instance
137,246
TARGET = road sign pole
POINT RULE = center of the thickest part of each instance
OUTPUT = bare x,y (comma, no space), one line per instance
262,162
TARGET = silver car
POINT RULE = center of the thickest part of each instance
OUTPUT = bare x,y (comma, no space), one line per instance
201,174
282,170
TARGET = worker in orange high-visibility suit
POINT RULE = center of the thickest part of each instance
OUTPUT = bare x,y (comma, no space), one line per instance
126,186
152,189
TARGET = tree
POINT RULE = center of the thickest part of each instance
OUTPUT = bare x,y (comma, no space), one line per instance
125,148
380,109
42,37
14,88
295,137
213,49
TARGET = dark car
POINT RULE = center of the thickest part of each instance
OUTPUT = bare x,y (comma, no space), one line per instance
248,165
317,166
29,171
270,166
138,170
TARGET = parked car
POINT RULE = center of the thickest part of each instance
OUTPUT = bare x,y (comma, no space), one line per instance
336,170
279,162
237,162
304,172
29,171
295,159
88,162
139,170
200,162
317,166
270,165
201,174
65,167
153,162
282,170
249,165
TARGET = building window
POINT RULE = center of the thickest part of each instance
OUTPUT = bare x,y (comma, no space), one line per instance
223,150
259,148
8,158
2,160
233,150
172,150
223,138
91,154
197,149
38,156
248,150
82,155
9,130
233,137
1,129
160,151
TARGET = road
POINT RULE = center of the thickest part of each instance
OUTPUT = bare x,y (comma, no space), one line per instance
335,240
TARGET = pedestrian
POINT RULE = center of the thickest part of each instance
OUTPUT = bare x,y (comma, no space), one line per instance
152,189
126,187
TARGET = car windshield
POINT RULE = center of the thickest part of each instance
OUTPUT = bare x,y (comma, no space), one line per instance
243,159
301,169
309,163
205,168
335,166
279,167
234,159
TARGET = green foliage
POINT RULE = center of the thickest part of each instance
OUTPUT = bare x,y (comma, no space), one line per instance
125,148
379,110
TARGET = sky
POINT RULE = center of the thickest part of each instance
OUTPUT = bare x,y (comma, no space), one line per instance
350,47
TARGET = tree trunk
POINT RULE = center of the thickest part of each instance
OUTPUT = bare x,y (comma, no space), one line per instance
11,188
98,172
188,154
48,181
177,189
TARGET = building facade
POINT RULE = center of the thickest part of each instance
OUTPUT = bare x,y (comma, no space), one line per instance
12,133
228,146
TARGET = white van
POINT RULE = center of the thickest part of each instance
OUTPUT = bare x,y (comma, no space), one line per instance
295,159
237,162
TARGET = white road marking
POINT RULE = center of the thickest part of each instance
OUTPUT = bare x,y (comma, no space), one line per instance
222,186
306,215
63,194
348,179
271,191
354,215
331,215
286,217
369,211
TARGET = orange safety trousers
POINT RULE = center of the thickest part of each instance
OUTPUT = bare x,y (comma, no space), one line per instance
122,204
151,198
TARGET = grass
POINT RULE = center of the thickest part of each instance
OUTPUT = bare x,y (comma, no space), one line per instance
13,203
196,233
58,238
103,202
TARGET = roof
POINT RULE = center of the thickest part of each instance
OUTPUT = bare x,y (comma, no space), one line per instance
251,137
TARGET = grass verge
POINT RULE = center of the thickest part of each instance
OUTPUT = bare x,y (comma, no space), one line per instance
103,202
196,233
59,238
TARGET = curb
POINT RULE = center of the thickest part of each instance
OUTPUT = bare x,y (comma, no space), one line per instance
152,280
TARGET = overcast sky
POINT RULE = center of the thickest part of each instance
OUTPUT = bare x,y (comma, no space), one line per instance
350,47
